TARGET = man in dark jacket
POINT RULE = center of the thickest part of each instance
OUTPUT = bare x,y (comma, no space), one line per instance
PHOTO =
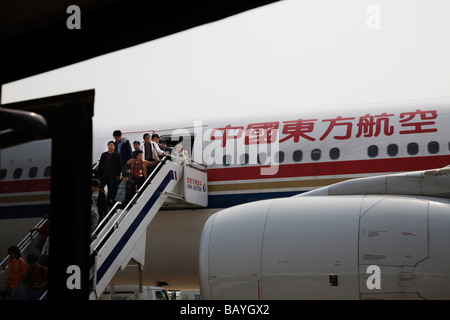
123,147
126,190
109,169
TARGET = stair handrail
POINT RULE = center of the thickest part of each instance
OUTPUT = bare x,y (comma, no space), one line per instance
95,165
105,219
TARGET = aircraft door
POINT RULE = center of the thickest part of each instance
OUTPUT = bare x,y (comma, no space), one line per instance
393,240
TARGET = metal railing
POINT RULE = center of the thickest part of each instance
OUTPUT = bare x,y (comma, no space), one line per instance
105,220
95,165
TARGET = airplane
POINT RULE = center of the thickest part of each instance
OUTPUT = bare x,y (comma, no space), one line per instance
254,163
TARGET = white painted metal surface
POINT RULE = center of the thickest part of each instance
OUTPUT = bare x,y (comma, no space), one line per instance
434,183
305,242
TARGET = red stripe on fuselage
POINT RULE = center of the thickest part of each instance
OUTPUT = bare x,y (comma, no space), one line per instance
284,171
25,186
331,168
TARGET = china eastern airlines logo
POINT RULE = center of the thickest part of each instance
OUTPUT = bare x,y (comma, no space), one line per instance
195,184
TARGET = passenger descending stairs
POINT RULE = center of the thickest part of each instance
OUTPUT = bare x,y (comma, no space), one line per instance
122,237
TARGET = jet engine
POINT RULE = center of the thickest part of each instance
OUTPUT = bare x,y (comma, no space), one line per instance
328,247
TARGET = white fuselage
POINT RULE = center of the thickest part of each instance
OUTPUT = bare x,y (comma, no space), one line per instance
248,159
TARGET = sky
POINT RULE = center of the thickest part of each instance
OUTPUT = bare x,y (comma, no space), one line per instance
289,56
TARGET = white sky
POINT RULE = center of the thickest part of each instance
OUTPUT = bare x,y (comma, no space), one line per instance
288,56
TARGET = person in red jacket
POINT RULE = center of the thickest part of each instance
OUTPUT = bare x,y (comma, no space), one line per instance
17,268
36,278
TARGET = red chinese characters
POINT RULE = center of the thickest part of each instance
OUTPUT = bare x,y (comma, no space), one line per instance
228,132
368,123
259,133
194,182
338,128
416,121
339,121
298,129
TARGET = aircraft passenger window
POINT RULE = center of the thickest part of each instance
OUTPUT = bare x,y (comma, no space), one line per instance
413,148
244,159
3,173
17,173
262,158
372,151
279,156
226,160
433,147
297,156
48,172
334,153
392,150
315,154
32,172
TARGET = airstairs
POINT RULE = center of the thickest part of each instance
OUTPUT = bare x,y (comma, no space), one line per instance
121,236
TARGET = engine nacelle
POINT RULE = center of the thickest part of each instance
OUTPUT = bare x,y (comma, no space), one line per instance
322,248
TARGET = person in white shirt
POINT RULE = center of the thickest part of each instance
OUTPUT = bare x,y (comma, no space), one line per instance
155,146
